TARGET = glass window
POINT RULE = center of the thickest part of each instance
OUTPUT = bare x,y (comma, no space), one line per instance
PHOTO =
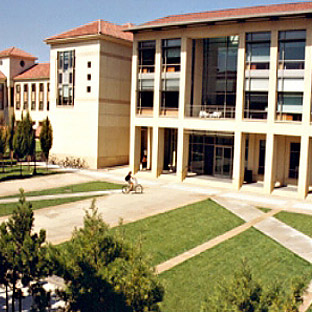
261,156
147,50
294,160
289,106
256,105
171,54
258,50
291,46
65,76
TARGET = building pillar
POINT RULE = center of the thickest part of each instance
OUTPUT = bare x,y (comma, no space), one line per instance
135,148
269,166
239,109
272,93
238,160
185,75
158,151
149,147
306,108
182,157
303,179
157,80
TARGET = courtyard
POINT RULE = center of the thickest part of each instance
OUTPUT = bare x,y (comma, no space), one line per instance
195,235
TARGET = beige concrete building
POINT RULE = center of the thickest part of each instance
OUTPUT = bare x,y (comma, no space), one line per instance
224,97
13,62
90,89
31,93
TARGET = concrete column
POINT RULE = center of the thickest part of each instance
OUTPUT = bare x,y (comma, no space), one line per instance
183,148
185,75
240,78
306,109
198,78
135,148
238,160
303,180
269,169
149,147
273,77
158,151
157,80
135,132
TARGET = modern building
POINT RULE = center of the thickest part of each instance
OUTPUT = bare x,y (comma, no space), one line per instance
225,97
90,86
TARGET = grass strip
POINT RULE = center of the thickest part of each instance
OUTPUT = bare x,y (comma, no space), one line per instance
7,209
188,284
75,188
169,234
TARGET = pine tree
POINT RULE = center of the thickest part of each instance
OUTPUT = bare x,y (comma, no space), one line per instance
102,272
23,251
46,138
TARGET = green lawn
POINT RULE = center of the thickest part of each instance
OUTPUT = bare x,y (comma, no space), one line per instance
169,234
13,173
7,209
300,222
188,284
75,188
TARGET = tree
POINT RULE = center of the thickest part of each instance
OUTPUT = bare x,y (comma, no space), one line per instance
20,142
243,293
46,138
22,252
103,273
30,142
2,144
10,136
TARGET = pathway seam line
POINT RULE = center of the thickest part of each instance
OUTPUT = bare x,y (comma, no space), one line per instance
169,264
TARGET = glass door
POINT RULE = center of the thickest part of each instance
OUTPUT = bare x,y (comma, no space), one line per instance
223,161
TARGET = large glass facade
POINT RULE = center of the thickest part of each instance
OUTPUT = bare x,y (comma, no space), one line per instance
219,76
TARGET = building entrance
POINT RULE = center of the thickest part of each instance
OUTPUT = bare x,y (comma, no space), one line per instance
211,155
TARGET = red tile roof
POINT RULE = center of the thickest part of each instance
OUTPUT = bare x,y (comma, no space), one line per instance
37,71
247,12
13,51
96,28
2,75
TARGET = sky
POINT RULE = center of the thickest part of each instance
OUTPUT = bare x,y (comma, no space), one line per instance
26,23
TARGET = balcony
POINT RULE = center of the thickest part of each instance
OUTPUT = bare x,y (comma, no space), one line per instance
210,111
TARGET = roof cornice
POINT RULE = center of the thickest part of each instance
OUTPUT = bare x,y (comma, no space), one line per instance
252,17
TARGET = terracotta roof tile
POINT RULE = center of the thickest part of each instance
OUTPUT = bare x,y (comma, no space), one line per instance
232,13
13,51
37,71
96,28
2,75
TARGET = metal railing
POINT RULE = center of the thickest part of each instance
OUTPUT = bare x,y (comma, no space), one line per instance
210,111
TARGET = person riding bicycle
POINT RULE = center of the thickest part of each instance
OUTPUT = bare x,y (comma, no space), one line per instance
129,178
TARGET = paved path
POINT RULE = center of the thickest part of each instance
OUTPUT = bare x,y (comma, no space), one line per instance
60,221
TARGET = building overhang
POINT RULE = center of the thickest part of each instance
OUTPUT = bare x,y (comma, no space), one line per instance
221,20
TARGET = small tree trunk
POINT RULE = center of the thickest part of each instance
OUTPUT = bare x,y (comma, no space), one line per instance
6,298
13,297
11,156
20,295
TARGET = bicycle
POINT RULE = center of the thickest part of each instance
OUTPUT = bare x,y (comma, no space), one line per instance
137,188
